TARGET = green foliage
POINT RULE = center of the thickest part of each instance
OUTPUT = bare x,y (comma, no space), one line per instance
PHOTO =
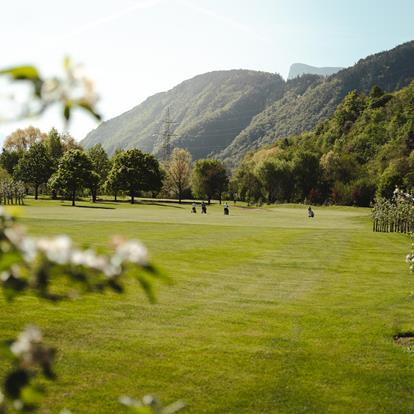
9,160
276,179
55,147
26,73
348,111
178,173
35,167
112,184
209,179
362,150
227,114
152,175
305,171
101,168
308,102
134,171
248,185
75,172
392,177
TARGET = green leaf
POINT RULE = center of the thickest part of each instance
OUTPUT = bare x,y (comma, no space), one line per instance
84,104
22,72
67,63
66,110
5,351
147,285
9,259
32,395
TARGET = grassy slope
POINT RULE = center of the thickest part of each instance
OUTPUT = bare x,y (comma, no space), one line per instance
271,313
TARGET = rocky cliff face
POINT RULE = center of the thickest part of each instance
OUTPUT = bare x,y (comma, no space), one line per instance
299,69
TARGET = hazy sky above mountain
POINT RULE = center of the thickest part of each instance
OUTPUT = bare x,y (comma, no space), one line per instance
135,48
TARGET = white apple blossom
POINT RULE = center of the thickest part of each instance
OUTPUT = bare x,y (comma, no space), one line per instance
26,340
131,251
57,249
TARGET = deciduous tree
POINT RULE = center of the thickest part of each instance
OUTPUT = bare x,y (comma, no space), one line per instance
209,179
178,175
35,167
101,167
9,160
22,139
133,171
74,173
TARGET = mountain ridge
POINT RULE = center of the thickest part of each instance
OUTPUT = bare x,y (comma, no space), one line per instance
225,114
218,103
296,113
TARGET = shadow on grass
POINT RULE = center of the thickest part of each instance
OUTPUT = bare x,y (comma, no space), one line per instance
98,207
152,203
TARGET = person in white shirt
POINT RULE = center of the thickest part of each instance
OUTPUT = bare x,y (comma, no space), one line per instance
226,209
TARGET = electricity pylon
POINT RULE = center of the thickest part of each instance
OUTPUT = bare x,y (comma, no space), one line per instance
167,134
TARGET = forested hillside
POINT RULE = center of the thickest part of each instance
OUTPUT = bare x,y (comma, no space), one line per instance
209,111
225,114
297,112
364,149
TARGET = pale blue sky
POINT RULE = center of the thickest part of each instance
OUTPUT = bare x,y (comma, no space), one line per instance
135,48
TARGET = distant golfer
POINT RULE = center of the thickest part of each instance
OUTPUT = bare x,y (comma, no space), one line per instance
226,209
311,214
193,208
203,208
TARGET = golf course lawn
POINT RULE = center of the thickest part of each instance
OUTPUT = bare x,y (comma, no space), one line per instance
270,312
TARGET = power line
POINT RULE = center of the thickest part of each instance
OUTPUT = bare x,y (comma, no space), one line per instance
167,134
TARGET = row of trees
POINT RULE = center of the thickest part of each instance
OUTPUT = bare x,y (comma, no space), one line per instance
207,178
11,191
277,180
56,164
395,214
363,151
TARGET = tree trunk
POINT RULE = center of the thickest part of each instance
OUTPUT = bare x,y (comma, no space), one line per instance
132,197
54,195
209,200
115,194
94,195
220,198
180,193
73,197
36,191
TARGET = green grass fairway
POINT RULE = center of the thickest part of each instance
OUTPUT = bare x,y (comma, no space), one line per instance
271,312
